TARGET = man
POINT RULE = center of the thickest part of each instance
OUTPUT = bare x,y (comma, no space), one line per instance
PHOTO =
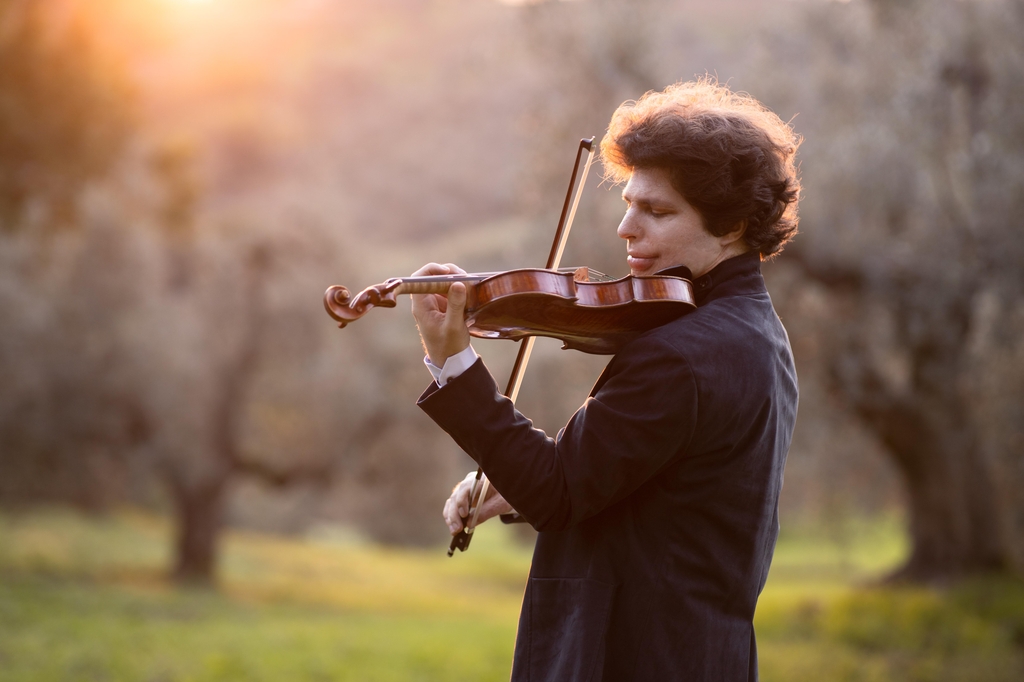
657,504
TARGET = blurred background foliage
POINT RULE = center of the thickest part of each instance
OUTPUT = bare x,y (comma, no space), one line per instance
181,179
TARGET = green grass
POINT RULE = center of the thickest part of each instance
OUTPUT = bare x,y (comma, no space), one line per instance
87,599
822,615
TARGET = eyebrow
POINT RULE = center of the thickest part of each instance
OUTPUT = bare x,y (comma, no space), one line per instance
644,201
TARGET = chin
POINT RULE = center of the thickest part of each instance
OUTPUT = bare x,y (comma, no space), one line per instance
644,272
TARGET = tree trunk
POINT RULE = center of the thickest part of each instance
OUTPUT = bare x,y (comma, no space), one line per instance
200,503
199,510
956,525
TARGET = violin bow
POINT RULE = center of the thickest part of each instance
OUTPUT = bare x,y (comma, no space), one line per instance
481,484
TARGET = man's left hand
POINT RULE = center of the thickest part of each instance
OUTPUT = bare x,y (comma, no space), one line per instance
441,318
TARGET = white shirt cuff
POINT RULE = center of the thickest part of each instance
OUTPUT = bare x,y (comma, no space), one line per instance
453,366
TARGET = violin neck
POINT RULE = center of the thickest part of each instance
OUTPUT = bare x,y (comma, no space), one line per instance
435,284
439,284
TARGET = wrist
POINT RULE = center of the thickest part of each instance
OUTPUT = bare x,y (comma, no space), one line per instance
438,356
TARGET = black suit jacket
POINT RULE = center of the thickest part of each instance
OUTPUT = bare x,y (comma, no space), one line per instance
657,504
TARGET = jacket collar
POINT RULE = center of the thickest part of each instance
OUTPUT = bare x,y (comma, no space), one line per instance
737,275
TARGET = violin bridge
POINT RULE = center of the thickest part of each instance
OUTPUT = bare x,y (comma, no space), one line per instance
585,274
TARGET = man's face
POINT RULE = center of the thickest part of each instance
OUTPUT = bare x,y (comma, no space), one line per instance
662,229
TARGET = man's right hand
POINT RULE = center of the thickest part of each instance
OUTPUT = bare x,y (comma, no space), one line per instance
457,506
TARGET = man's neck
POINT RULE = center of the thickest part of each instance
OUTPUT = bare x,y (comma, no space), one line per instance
731,251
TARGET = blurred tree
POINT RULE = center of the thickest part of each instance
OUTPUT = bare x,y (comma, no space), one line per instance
197,350
68,414
199,387
70,411
218,360
65,112
915,134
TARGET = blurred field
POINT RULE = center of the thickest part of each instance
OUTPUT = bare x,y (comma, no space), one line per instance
86,599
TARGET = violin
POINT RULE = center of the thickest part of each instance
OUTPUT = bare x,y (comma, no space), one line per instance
586,310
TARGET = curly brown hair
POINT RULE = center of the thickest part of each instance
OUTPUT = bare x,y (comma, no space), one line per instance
729,156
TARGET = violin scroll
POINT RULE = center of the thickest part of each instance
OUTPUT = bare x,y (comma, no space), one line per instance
342,307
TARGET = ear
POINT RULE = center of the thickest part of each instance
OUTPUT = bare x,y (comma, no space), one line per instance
734,235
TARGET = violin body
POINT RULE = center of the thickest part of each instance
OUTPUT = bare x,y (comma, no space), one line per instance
596,317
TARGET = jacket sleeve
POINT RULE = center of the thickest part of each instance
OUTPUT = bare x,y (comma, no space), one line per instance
639,420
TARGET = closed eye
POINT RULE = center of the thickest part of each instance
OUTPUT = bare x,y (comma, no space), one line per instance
644,205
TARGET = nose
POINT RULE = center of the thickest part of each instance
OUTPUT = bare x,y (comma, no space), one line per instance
628,228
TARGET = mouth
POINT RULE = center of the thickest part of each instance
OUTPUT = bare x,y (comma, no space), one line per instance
640,262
